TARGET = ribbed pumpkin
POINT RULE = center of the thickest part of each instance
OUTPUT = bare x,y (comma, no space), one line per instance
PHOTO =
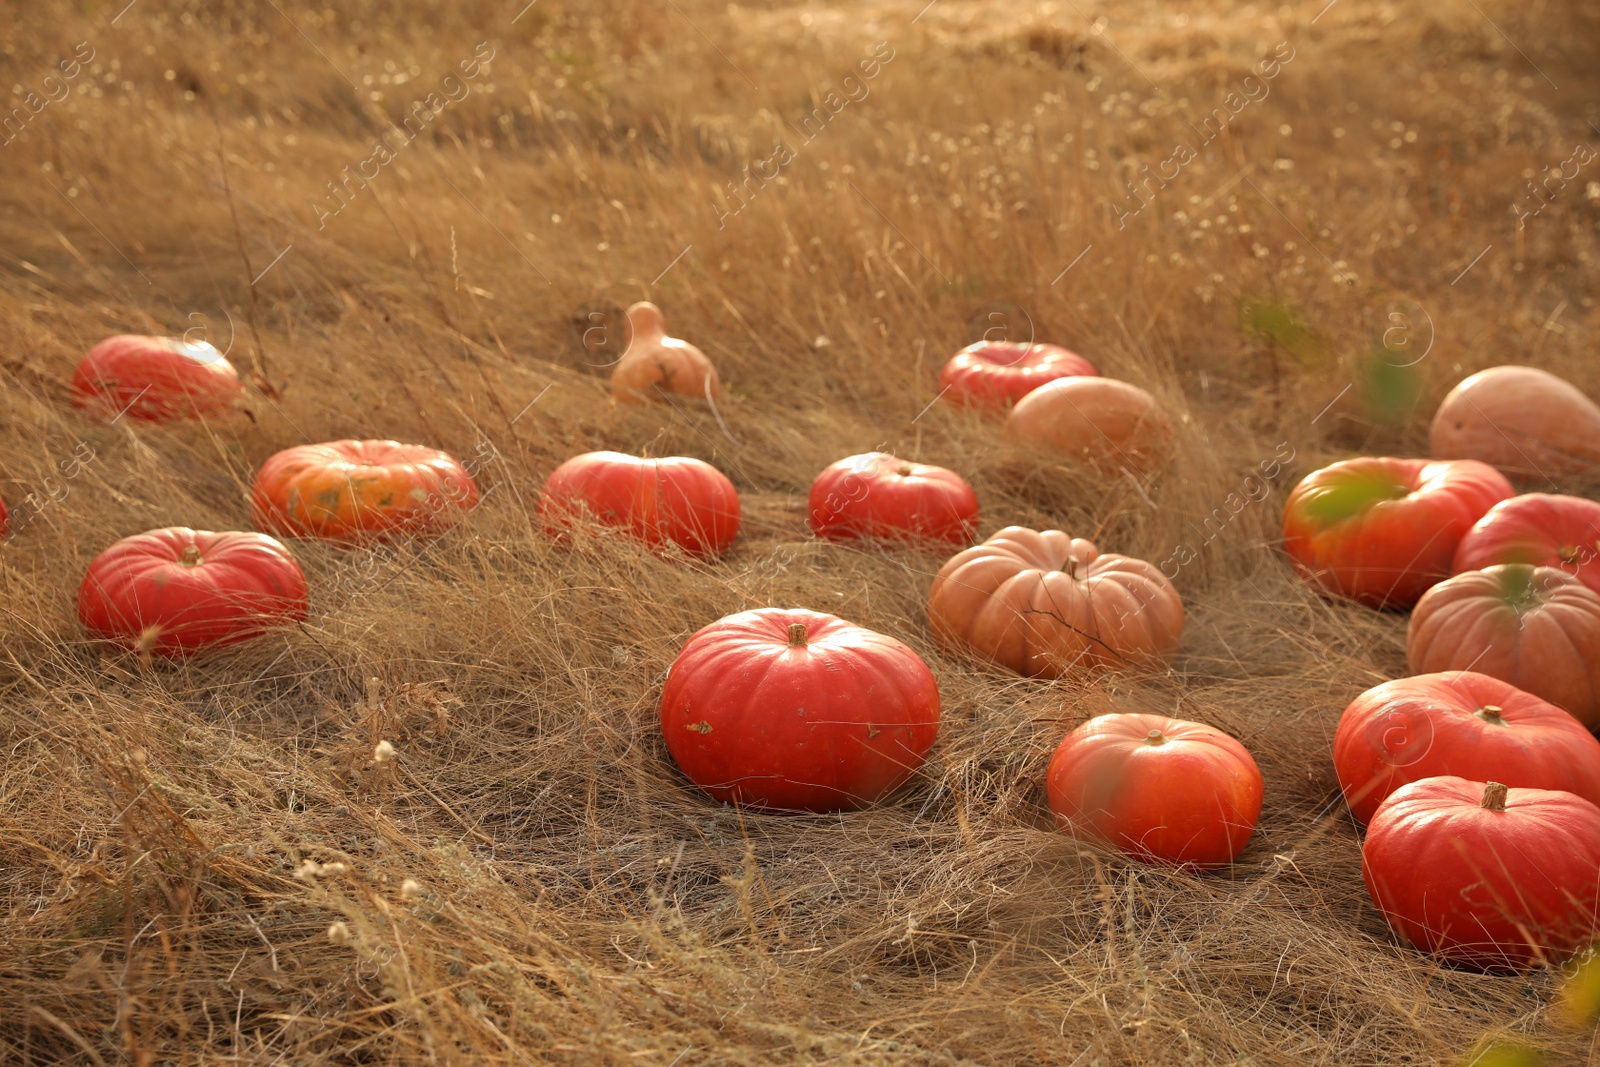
1535,627
360,491
155,379
1542,529
1045,603
992,375
880,497
673,500
1101,422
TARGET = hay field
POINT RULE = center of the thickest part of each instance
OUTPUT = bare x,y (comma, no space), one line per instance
530,880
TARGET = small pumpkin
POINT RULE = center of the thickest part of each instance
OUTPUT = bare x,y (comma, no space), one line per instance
1460,723
355,492
676,500
1542,529
1382,530
1102,422
1535,627
795,710
1528,422
155,379
1043,603
1486,876
175,591
1160,789
993,375
655,363
876,496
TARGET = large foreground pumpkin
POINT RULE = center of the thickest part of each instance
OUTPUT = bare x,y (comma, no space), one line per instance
359,491
1543,529
1043,603
1460,723
795,710
1525,421
879,497
991,375
676,500
655,363
1161,789
1486,876
1107,424
1535,627
1382,530
175,591
155,379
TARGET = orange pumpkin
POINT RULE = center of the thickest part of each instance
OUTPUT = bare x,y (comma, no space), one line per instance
1535,627
656,363
1043,603
1528,422
1108,424
359,491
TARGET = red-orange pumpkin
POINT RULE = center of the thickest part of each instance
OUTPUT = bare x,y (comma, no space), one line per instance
1382,530
155,379
1535,627
880,497
675,500
794,710
1161,789
1486,876
992,375
176,591
359,491
1461,723
1538,528
1043,603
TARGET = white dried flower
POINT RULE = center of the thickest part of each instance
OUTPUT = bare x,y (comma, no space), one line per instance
308,870
410,889
383,753
339,933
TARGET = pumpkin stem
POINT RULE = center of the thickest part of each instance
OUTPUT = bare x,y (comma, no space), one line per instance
797,635
1156,737
190,556
906,470
1494,797
1491,713
1071,567
1567,553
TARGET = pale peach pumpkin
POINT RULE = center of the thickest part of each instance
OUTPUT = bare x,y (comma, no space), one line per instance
1044,603
655,363
1105,423
1525,421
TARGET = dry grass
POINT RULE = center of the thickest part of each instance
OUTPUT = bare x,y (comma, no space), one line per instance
573,900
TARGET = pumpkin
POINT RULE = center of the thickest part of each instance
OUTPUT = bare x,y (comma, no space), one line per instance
1538,528
355,492
877,496
176,591
155,379
655,363
1525,421
677,500
1107,424
1535,627
1163,790
994,375
1483,875
1043,603
1461,723
794,710
1382,530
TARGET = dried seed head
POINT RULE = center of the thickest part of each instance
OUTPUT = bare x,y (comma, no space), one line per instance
410,889
383,752
335,869
308,870
339,933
